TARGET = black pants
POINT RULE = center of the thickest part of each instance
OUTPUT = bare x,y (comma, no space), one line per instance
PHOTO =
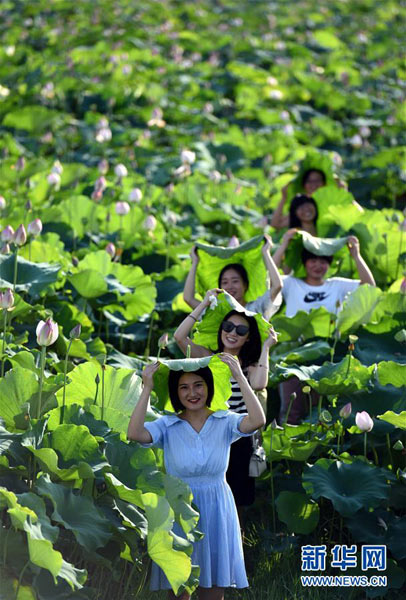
242,485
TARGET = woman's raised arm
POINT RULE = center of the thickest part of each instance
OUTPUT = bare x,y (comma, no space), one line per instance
259,373
136,430
189,291
181,335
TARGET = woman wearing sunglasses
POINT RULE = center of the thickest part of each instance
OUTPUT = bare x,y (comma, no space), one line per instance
239,336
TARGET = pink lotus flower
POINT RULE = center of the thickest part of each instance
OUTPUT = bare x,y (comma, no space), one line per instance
100,183
7,235
54,179
35,227
75,332
150,223
111,249
47,332
57,168
103,166
120,170
122,208
2,203
5,249
187,157
103,135
6,299
364,421
234,242
20,236
135,195
346,411
163,341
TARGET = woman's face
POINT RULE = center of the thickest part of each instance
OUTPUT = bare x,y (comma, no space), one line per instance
306,212
232,341
316,268
192,391
314,181
232,282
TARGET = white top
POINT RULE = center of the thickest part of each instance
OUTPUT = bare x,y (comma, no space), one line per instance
299,295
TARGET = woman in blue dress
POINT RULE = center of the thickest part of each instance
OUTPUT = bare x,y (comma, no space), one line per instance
196,443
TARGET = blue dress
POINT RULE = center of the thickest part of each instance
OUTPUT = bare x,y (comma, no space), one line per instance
201,459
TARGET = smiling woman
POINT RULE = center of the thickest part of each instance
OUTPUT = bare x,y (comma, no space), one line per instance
196,443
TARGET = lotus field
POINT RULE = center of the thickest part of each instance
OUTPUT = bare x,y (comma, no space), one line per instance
131,131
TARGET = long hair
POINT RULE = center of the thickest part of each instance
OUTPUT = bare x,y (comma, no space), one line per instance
306,175
241,270
173,382
251,351
297,201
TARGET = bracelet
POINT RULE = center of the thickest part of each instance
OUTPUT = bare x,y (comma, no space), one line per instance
193,317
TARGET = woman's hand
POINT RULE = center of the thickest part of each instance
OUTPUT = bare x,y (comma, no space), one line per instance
194,256
148,374
233,363
353,246
272,338
208,297
267,245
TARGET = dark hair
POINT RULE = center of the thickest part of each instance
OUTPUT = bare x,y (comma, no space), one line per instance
297,201
306,175
173,382
241,270
251,351
306,255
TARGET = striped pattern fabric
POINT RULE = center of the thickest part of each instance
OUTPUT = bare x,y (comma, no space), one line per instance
235,401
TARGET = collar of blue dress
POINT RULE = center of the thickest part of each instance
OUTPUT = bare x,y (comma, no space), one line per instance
172,419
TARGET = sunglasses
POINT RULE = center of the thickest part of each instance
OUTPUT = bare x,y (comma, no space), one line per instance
239,329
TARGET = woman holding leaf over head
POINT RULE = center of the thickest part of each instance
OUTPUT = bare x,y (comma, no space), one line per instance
234,279
236,333
196,443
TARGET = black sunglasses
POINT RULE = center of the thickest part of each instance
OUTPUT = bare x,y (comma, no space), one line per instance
239,329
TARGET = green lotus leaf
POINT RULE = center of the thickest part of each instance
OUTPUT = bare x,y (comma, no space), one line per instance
392,373
175,564
132,517
180,498
316,323
77,513
358,308
333,201
122,388
214,258
128,460
350,487
37,504
398,420
33,118
17,388
79,212
73,443
47,458
32,278
279,445
119,490
75,414
221,375
388,314
291,352
10,586
300,514
205,331
89,283
315,245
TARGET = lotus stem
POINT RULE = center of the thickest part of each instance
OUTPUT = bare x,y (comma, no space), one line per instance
168,243
292,397
3,360
15,268
188,351
365,444
65,370
21,578
41,380
339,435
399,253
148,346
389,451
333,349
376,460
319,405
102,408
272,487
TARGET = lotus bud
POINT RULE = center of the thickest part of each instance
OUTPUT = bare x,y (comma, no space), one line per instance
398,445
346,411
6,299
20,236
364,421
171,218
120,170
355,141
150,223
74,333
135,195
400,336
103,135
306,389
163,341
2,203
187,157
28,205
7,235
364,131
234,242
122,208
215,176
75,261
103,166
111,249
54,179
5,249
403,286
35,227
97,379
97,195
292,396
213,301
100,183
47,332
57,168
20,164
